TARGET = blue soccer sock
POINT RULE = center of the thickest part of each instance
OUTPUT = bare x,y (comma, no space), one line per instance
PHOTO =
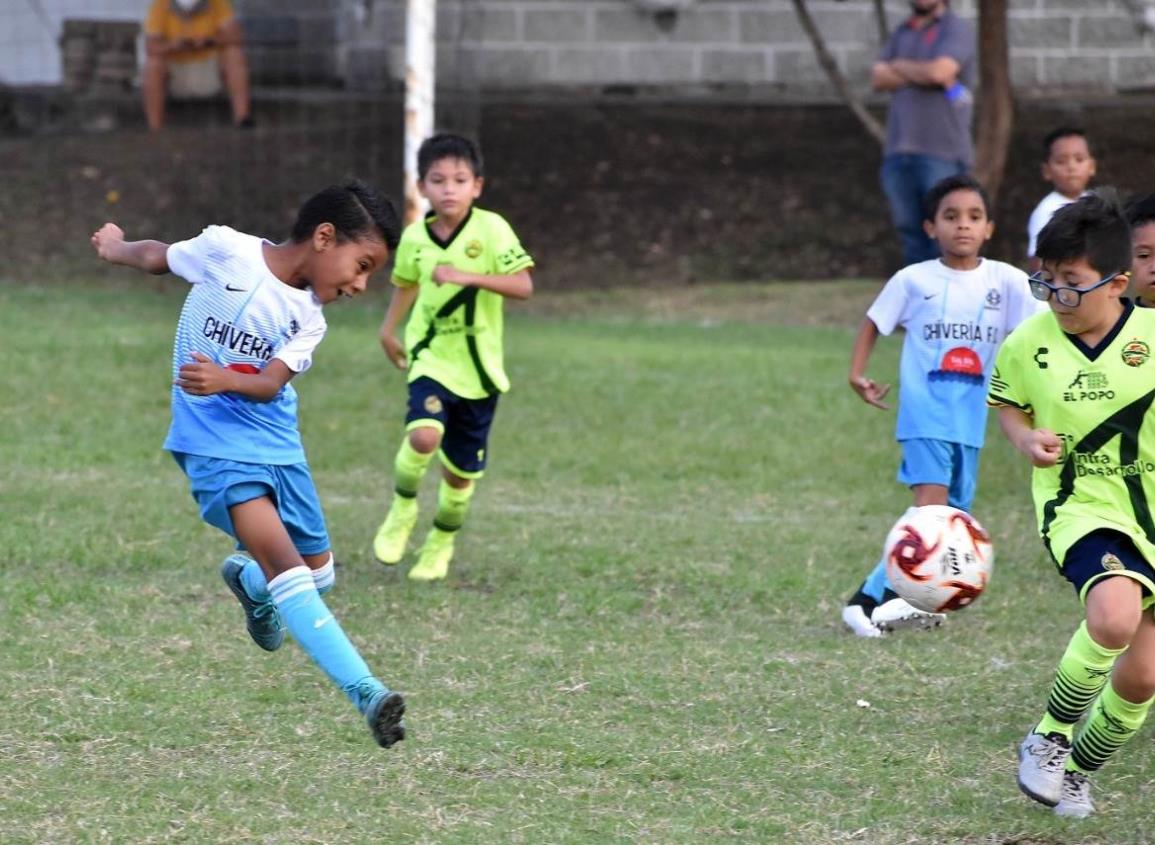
325,577
254,582
315,629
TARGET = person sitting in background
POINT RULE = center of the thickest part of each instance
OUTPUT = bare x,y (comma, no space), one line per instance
190,46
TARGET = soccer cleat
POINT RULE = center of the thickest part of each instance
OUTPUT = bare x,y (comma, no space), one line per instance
393,535
384,717
898,613
1042,760
261,619
1075,800
855,618
433,564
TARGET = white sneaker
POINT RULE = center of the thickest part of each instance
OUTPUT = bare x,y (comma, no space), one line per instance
856,620
1075,801
1042,761
898,613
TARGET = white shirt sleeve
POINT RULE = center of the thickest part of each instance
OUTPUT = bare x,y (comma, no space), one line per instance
187,259
1020,303
889,309
298,352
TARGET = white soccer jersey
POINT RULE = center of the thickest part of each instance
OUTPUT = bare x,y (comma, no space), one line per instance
1041,216
241,316
955,321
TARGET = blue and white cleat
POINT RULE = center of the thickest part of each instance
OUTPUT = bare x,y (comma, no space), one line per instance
261,619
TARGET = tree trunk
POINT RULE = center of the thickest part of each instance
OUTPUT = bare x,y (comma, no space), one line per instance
996,106
830,66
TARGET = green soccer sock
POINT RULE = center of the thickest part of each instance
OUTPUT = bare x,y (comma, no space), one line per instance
1113,721
408,469
452,505
1083,671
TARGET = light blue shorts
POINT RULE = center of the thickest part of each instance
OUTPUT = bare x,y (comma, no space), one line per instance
952,465
218,484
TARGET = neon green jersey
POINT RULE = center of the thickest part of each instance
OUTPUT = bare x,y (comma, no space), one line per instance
1097,401
454,334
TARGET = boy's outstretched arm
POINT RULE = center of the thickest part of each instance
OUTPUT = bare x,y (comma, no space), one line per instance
149,256
399,304
871,392
517,285
1041,445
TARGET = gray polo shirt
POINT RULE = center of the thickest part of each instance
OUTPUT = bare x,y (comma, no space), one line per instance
925,120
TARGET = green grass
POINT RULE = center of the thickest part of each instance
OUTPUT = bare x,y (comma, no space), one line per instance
639,640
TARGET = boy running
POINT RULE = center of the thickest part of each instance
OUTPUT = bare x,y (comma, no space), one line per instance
250,323
1074,389
956,310
458,266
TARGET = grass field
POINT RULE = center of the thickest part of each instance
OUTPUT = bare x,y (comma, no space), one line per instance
639,641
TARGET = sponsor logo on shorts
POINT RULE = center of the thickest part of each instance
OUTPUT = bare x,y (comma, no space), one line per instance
1111,563
433,405
1136,353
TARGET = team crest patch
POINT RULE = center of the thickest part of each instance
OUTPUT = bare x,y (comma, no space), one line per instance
473,249
1136,353
433,405
1111,563
993,298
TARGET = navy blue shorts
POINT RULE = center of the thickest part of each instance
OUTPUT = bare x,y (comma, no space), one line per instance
464,424
1103,553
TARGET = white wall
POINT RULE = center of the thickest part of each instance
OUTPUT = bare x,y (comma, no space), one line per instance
30,34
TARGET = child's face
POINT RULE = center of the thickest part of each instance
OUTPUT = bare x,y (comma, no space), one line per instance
337,269
960,226
451,186
1070,166
1098,307
1143,262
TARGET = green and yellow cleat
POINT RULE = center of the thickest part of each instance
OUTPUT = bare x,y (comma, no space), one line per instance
433,564
393,535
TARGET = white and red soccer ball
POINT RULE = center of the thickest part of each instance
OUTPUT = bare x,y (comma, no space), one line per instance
938,558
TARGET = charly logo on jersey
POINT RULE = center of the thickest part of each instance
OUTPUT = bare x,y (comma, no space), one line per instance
1088,386
994,299
474,249
959,364
1135,353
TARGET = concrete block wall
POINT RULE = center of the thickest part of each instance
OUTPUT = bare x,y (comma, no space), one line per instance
720,44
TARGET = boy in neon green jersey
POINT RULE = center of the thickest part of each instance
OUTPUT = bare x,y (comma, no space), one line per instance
457,267
1074,388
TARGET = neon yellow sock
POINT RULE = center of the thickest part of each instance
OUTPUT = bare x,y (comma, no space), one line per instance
1083,672
452,506
408,469
1113,721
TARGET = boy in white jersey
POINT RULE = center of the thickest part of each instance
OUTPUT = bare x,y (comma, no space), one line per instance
455,269
1069,166
250,323
1074,388
956,310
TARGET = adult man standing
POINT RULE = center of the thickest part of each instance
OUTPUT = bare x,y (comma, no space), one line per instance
928,65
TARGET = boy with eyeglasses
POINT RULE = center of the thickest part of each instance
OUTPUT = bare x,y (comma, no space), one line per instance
1074,388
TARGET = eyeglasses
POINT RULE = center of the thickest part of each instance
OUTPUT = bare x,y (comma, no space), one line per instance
1041,289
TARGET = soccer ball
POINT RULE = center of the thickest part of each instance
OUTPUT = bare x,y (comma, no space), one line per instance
938,558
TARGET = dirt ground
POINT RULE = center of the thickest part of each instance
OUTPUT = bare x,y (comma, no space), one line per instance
605,193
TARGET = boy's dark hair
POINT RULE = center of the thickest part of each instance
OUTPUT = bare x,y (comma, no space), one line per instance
1093,227
447,145
356,211
1062,132
1141,210
942,187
